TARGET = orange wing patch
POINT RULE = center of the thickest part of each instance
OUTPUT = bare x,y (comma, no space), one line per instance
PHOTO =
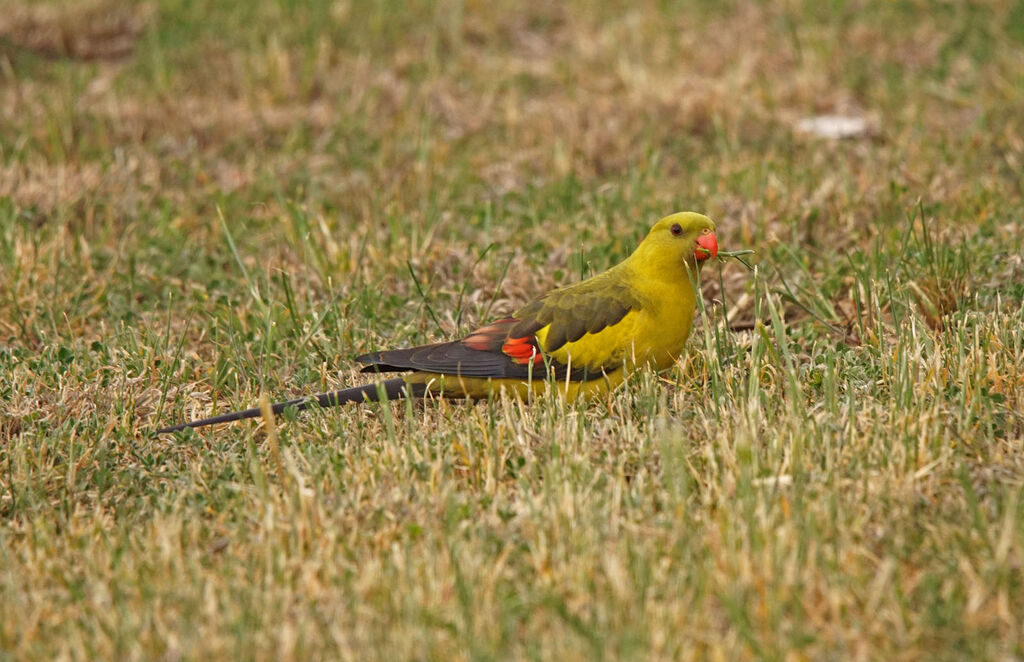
495,337
522,350
489,338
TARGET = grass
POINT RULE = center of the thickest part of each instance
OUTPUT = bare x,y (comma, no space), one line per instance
201,202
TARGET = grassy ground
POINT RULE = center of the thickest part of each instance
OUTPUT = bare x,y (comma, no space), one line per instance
201,201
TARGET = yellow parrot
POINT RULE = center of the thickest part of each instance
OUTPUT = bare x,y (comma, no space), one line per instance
587,337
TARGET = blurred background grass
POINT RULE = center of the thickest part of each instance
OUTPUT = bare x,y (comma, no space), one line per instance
200,201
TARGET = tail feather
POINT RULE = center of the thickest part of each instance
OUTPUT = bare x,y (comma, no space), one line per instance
391,389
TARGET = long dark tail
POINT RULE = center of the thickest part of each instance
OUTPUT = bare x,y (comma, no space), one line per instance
390,389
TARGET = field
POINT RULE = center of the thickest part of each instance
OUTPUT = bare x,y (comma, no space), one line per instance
202,202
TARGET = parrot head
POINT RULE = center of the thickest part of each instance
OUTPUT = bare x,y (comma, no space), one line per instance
681,238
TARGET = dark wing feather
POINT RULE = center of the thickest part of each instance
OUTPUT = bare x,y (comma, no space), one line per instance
574,311
450,358
480,354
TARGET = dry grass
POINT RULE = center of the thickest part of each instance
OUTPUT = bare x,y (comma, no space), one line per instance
834,471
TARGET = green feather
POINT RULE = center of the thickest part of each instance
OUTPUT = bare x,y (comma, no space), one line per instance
574,311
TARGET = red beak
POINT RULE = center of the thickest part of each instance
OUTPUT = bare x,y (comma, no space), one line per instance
707,246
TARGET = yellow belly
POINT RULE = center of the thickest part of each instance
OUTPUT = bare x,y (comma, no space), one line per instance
453,386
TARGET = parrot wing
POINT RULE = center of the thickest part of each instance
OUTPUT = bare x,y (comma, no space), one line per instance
572,312
511,349
488,352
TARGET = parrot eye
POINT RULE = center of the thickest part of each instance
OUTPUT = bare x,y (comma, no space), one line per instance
676,230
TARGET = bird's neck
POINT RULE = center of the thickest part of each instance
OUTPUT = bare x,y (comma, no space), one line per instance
653,271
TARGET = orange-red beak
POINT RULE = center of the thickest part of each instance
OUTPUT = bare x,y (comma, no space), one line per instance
707,246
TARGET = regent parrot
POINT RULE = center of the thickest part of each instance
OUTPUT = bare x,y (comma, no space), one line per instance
587,336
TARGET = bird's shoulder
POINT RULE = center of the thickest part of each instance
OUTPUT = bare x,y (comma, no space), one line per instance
585,307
